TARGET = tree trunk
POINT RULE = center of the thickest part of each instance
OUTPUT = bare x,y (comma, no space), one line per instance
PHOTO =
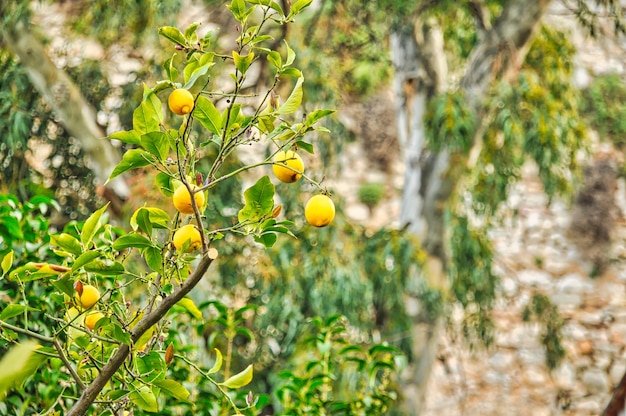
68,103
418,59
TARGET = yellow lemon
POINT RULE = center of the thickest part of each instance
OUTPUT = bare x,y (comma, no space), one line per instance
89,297
288,166
319,210
180,101
187,234
182,199
92,319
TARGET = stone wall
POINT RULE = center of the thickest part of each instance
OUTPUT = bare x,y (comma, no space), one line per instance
511,378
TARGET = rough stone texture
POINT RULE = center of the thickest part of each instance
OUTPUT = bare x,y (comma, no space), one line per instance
512,378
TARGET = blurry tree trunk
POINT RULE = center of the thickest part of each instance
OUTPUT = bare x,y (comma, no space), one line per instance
420,70
67,102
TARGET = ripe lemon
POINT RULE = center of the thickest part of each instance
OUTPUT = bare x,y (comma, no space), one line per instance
187,234
319,210
182,199
288,166
89,297
180,101
92,319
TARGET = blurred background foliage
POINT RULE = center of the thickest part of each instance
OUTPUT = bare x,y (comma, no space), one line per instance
346,269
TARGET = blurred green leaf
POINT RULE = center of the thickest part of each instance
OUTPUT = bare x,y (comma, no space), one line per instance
172,34
240,379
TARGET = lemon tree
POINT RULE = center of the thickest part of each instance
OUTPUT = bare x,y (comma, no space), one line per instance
114,286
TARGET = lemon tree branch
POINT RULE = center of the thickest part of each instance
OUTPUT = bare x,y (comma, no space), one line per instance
91,392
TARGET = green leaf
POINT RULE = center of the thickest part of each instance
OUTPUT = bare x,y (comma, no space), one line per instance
120,335
196,68
132,159
261,38
173,35
294,100
149,115
13,310
65,284
218,362
267,239
67,242
144,398
151,367
298,6
7,263
292,72
85,258
17,365
127,136
145,337
307,147
164,182
190,307
173,388
107,268
12,226
131,240
29,273
153,258
116,394
275,59
240,379
238,9
157,143
243,62
259,201
291,55
91,226
316,115
191,30
147,218
170,69
209,116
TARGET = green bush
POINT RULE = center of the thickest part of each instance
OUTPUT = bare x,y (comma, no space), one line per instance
604,104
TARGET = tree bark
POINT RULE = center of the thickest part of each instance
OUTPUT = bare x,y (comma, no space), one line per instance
429,179
68,103
420,68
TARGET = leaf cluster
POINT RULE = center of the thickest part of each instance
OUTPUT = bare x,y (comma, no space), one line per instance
339,377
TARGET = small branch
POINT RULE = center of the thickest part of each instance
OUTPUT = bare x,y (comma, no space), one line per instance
63,358
481,14
208,377
24,331
91,392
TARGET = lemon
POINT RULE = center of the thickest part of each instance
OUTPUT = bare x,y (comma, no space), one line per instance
288,166
187,234
180,101
92,319
89,296
182,199
319,211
